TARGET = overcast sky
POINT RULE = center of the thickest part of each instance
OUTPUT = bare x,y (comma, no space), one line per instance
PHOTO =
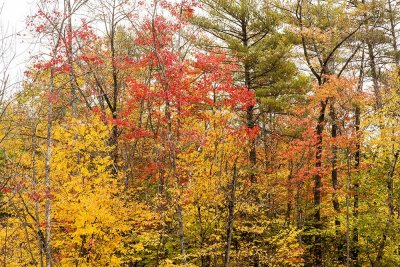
15,11
12,20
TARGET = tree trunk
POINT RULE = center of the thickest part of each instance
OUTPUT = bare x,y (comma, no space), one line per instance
389,220
334,176
231,210
356,186
317,187
39,233
67,5
348,179
47,172
205,260
115,87
250,109
374,75
357,157
392,19
289,194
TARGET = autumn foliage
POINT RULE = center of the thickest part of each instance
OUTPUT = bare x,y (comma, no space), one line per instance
203,133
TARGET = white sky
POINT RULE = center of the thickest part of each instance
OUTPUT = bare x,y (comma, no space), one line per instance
12,20
15,11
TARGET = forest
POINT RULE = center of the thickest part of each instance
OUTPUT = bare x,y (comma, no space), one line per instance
210,133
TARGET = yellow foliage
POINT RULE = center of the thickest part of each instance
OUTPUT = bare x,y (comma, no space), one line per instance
93,226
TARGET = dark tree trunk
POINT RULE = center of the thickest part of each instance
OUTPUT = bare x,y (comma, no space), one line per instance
356,186
231,210
389,220
317,250
335,184
374,75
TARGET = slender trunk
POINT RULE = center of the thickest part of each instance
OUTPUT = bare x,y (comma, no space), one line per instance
348,209
251,123
372,65
115,87
5,245
289,194
250,109
356,186
172,157
24,221
299,215
317,187
357,158
67,4
389,220
334,172
393,33
181,232
160,247
265,146
374,75
231,210
170,137
334,176
252,153
114,143
39,233
47,171
205,260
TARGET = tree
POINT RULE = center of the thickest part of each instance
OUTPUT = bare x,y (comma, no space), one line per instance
249,30
323,42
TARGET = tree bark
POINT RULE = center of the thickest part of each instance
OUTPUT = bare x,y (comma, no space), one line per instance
250,109
47,172
392,20
374,75
231,210
68,8
115,87
357,158
205,260
389,220
317,187
39,234
335,183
